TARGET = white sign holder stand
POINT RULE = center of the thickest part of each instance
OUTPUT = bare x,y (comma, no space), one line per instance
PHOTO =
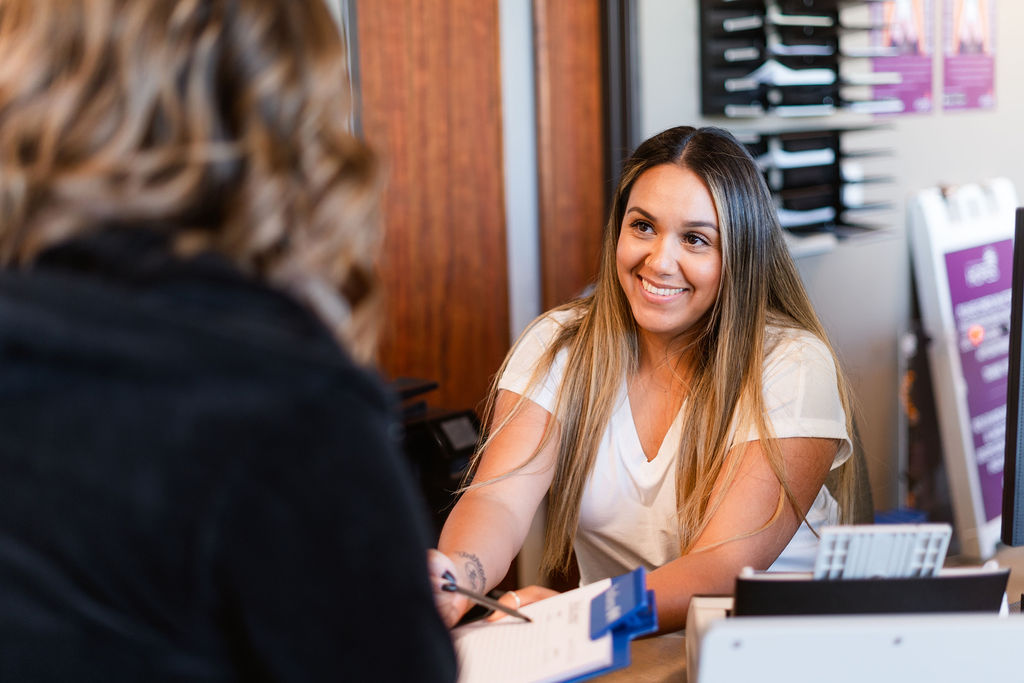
959,242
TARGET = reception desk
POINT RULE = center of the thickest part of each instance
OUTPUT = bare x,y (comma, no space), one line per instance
653,660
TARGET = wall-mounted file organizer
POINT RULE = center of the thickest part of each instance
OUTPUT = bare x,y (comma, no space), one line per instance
821,182
785,57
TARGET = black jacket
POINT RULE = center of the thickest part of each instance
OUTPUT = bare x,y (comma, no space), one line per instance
196,484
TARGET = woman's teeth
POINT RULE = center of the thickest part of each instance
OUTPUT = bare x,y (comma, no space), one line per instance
660,291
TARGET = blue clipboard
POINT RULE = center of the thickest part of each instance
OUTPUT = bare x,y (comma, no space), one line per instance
627,610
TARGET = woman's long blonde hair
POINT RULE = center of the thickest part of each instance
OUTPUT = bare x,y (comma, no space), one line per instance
221,122
759,286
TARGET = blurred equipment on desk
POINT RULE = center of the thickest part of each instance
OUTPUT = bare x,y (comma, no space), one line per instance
879,603
438,444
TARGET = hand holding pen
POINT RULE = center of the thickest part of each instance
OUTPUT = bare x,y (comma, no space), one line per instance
479,598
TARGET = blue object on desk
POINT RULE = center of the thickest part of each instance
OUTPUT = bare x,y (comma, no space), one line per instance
627,610
901,516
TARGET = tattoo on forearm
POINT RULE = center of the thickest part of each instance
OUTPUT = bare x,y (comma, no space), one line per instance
474,571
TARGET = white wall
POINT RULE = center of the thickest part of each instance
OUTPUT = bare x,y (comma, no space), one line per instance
519,130
861,289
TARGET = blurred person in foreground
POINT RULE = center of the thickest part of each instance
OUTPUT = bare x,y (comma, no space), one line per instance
200,477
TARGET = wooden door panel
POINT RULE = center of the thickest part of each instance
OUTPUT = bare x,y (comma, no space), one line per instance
571,146
431,106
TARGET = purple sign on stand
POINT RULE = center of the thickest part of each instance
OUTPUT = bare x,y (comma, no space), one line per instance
979,288
969,54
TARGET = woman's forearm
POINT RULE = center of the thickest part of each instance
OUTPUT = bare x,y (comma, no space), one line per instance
675,583
482,537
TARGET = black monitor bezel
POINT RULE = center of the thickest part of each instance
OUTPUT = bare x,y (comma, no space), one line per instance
1013,457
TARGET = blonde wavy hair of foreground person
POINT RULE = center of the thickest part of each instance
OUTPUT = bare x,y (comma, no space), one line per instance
759,287
221,121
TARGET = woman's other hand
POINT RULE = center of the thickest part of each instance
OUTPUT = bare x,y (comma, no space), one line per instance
521,597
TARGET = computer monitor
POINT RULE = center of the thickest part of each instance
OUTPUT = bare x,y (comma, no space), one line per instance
1013,457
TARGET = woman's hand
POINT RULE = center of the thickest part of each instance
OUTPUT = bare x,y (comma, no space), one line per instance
520,598
451,606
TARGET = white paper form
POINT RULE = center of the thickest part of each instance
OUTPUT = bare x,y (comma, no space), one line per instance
554,647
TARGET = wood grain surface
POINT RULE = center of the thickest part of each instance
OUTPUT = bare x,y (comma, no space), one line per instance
572,183
431,106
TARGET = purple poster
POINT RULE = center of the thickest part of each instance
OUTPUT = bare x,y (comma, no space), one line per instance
979,288
905,40
968,54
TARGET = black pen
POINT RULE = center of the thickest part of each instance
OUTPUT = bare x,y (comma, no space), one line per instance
480,599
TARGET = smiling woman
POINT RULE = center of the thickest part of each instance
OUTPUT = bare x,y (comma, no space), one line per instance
683,417
669,259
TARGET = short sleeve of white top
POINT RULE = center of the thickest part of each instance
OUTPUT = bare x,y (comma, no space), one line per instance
628,510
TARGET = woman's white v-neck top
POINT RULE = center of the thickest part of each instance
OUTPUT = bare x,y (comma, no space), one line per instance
628,510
